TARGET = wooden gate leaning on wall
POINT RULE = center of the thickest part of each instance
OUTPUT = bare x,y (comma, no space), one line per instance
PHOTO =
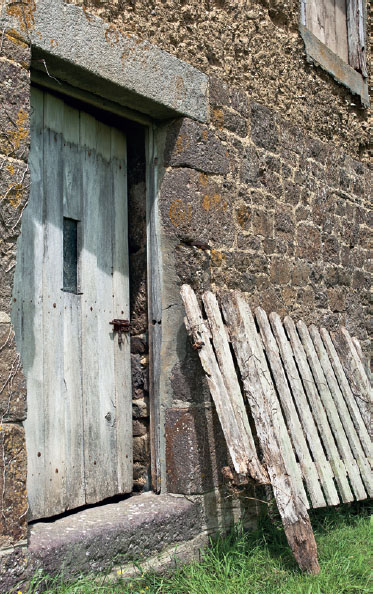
71,282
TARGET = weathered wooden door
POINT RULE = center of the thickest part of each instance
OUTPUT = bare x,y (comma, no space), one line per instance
71,282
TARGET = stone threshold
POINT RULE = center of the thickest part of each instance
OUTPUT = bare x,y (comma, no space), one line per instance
153,532
145,528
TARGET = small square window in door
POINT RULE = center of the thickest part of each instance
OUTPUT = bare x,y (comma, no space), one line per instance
70,255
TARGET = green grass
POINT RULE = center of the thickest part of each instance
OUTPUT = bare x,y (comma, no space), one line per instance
259,563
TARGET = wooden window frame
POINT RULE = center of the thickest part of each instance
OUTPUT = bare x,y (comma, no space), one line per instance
353,74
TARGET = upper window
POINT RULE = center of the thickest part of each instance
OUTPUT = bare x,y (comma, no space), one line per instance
340,26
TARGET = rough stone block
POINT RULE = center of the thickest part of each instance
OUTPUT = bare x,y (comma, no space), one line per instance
192,266
14,112
335,275
323,205
188,381
219,92
249,242
250,171
196,209
195,450
240,102
141,449
264,127
361,280
280,271
140,408
317,150
13,525
139,373
14,185
331,248
309,242
300,273
292,192
139,345
302,213
190,144
255,263
336,299
272,183
12,380
291,137
262,222
139,427
289,296
16,49
345,256
243,217
284,221
235,123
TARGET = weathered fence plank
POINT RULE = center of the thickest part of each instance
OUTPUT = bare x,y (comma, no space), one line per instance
319,412
300,445
355,372
302,400
342,409
226,365
201,337
290,497
329,405
309,426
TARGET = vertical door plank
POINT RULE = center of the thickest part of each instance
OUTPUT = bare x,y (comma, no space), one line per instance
319,412
105,415
29,325
291,415
334,420
100,443
287,486
72,209
121,310
88,275
308,423
342,409
227,368
72,181
53,328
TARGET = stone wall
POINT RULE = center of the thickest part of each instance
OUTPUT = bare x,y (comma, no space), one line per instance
251,44
14,183
253,203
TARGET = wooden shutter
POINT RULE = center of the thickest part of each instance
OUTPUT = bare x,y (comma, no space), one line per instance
326,19
356,36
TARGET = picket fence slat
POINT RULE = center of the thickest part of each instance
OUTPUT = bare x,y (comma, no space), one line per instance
307,391
309,426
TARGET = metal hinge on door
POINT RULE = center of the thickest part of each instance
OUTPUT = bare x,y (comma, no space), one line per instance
121,326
